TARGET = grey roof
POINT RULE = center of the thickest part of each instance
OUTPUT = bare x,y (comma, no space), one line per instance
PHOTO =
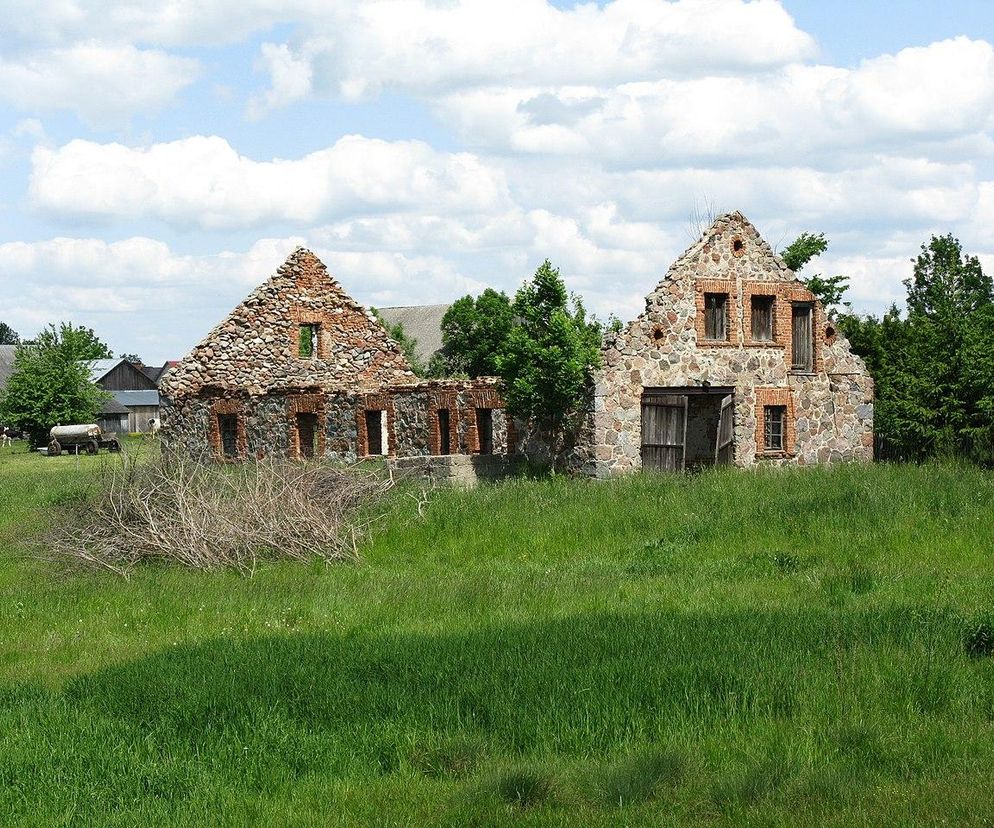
421,322
133,398
7,353
100,368
112,406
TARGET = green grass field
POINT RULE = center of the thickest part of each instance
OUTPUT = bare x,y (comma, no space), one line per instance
782,648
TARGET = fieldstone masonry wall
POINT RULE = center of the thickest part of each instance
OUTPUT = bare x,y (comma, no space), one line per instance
830,411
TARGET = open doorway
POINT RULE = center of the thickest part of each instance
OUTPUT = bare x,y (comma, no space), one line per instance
686,428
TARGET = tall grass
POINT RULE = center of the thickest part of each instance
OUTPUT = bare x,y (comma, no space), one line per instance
787,648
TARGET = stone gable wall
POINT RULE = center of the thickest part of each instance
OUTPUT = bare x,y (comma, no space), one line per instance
255,349
830,412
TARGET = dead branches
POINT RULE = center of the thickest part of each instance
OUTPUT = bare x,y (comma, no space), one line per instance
210,516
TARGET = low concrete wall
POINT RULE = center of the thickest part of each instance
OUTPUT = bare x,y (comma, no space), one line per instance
456,469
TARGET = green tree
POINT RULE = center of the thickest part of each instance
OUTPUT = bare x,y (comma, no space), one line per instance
473,334
8,336
934,369
132,358
408,345
50,383
547,360
828,289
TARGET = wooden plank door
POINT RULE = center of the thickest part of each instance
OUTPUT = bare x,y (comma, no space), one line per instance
724,450
664,432
802,338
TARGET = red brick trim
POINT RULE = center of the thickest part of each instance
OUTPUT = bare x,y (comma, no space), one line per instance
791,294
750,289
702,286
375,402
305,404
449,401
227,405
775,396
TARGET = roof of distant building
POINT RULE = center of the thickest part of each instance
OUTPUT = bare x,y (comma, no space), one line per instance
422,323
7,353
135,398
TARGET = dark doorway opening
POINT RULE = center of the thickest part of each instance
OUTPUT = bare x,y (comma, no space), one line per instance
687,428
444,446
227,425
374,432
307,434
485,429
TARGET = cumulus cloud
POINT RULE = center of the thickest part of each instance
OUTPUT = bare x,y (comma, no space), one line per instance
102,84
203,181
427,47
918,96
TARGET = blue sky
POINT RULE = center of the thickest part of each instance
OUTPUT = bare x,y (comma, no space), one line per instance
159,159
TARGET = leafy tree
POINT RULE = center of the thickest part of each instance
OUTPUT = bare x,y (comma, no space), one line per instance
934,369
8,336
828,289
50,383
133,358
548,358
408,345
82,342
473,334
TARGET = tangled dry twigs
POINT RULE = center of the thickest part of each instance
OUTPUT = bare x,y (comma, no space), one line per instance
209,516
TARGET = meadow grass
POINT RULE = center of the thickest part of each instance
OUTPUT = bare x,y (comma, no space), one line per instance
733,648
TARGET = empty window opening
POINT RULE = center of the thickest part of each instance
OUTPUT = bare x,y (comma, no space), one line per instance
716,316
227,427
375,437
762,318
738,247
774,426
307,343
485,430
307,434
802,339
444,446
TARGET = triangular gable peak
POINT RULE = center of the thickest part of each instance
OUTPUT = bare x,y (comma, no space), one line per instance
731,248
257,348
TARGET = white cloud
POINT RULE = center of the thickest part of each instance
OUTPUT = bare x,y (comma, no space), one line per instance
427,47
918,97
102,84
203,181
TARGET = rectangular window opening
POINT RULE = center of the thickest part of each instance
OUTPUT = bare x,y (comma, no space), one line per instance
307,434
227,427
802,338
444,446
375,442
762,318
775,420
307,340
716,316
485,430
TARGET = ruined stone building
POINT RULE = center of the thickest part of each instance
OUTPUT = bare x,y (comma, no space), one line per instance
732,362
299,369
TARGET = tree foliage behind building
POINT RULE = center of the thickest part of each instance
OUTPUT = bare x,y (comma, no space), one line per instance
474,332
548,358
50,383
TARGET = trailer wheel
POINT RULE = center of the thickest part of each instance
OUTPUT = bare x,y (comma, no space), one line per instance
92,447
54,449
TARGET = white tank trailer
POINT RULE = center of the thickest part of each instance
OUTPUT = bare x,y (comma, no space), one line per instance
76,439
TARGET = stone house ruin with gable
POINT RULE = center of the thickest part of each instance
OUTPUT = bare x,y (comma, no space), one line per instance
732,362
299,369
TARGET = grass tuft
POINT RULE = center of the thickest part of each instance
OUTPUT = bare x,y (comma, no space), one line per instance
639,777
525,787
